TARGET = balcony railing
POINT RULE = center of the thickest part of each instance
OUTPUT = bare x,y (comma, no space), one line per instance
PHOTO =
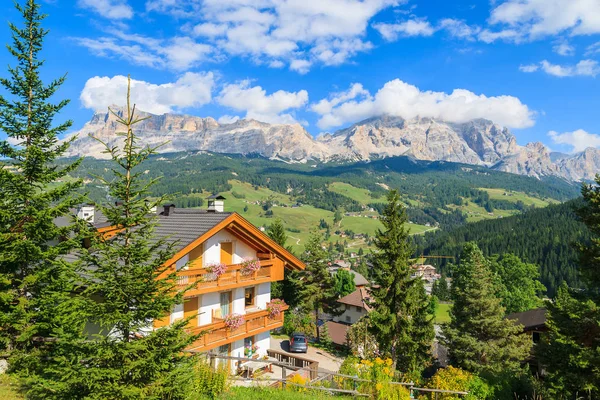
205,281
217,334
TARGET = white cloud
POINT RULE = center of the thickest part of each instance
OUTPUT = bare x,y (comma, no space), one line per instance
190,90
302,66
261,106
459,29
402,99
111,9
178,53
563,48
582,68
592,49
281,31
529,68
411,27
538,18
579,140
228,119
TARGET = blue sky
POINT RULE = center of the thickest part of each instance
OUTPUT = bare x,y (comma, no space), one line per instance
530,65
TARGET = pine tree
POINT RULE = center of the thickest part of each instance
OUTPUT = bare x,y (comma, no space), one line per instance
479,338
276,231
317,292
440,289
344,282
570,351
130,286
35,280
399,318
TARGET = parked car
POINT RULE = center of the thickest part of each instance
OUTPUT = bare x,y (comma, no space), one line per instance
298,343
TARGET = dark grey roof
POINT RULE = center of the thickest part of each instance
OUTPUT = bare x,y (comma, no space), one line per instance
530,319
185,225
216,197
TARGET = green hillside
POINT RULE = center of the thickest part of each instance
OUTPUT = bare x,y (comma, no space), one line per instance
305,196
543,236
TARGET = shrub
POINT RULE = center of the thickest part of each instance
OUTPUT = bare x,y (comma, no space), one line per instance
296,379
456,379
210,382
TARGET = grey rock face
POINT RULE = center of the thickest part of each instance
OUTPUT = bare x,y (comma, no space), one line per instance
479,142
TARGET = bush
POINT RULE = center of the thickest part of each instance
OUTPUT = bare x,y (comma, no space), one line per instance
456,379
379,372
298,322
210,382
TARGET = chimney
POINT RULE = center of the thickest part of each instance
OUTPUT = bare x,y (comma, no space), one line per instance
167,209
87,212
216,203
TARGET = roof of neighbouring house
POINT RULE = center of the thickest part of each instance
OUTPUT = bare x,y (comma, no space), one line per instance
337,332
530,319
359,298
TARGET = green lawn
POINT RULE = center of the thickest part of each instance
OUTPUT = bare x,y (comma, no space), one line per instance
302,218
508,195
476,213
252,393
442,315
363,196
9,388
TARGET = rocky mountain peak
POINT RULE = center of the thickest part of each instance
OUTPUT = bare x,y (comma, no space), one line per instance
479,142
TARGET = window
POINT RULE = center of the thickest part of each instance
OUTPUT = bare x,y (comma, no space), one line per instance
348,319
250,347
346,307
536,337
358,309
249,297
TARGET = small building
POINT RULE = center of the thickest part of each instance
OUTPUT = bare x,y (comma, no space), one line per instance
355,306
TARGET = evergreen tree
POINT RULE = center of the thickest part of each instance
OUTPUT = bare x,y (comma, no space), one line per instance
519,286
399,319
317,290
344,282
37,312
129,286
570,352
276,231
479,338
440,289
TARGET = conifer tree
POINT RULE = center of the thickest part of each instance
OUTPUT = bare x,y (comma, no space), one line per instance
276,231
479,338
400,319
316,285
35,280
130,286
570,351
440,289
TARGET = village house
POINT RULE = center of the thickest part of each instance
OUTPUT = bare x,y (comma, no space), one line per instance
231,264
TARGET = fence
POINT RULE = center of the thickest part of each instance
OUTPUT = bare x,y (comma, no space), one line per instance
319,376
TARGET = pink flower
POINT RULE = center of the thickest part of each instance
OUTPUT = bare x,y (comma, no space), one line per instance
274,307
234,321
217,268
250,266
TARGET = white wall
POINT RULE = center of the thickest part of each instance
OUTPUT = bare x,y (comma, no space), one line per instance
263,340
181,263
209,302
263,295
352,313
238,301
177,313
212,248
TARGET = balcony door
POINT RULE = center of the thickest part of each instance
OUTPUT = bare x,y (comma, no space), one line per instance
227,253
225,298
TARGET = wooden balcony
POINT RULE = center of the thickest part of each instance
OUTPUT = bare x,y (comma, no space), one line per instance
217,334
205,281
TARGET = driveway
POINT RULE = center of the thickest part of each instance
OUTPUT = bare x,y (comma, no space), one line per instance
326,360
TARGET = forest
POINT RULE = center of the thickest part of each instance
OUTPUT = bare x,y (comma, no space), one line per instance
542,236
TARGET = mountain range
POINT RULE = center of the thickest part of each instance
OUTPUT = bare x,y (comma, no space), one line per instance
477,142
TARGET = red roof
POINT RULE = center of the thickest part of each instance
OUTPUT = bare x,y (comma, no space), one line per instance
337,332
359,298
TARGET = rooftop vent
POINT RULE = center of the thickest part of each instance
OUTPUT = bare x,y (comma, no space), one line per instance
216,203
168,209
